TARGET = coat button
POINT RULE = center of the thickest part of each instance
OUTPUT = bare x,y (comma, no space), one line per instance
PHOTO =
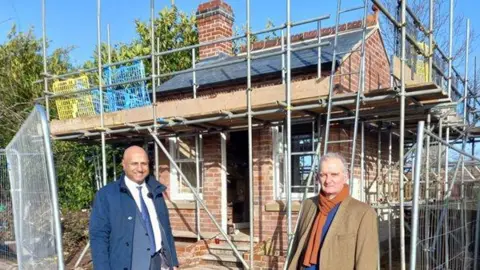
127,244
125,268
130,218
148,249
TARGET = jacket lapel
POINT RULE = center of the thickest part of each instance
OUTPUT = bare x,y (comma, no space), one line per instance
127,203
337,223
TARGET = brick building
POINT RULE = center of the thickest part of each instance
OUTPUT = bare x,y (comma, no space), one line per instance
224,156
202,119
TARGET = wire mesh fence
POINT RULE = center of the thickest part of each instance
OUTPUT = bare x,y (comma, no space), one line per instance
7,234
444,213
30,167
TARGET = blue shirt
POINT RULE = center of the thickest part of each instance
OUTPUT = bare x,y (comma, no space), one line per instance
328,222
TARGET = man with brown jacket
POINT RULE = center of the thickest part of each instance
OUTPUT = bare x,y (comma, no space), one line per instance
335,231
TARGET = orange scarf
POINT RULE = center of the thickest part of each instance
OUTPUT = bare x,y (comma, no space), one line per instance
312,253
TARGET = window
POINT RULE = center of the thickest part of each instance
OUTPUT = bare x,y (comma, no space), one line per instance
184,152
304,140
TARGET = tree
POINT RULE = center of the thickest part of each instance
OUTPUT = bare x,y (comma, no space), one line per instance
173,28
441,22
22,64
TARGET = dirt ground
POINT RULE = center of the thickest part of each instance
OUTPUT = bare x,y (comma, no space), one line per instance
75,238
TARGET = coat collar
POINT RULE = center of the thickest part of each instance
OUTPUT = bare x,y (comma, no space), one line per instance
153,185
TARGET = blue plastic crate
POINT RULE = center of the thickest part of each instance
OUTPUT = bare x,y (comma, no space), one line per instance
132,97
109,104
128,95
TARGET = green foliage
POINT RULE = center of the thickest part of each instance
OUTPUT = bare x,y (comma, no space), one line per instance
75,173
21,64
173,29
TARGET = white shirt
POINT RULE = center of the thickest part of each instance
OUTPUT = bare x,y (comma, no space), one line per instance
132,187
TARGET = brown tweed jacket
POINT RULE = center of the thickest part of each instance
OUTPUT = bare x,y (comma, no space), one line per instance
351,241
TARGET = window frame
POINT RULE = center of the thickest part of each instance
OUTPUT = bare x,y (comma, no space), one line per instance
175,193
278,150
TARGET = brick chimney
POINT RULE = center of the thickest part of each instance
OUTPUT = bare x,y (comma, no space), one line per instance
372,19
214,22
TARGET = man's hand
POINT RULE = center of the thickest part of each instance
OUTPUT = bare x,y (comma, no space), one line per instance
174,268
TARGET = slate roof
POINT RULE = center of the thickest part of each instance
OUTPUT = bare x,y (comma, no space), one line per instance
264,66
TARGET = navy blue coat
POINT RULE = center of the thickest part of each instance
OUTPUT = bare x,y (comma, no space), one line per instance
112,224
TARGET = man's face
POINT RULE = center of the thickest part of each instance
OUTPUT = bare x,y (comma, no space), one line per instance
332,177
135,164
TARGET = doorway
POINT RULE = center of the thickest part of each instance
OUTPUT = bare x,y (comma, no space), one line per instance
237,182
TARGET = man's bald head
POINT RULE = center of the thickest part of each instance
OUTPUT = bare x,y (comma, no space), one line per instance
135,164
133,150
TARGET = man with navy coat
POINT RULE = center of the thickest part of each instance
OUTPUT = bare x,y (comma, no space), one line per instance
129,225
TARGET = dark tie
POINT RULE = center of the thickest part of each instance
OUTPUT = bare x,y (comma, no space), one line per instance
147,221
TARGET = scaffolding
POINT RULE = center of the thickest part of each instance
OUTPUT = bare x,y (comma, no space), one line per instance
449,109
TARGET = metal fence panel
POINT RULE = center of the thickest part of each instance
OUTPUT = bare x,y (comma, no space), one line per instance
444,219
7,234
33,191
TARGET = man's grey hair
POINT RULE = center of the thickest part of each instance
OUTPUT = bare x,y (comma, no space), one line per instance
334,155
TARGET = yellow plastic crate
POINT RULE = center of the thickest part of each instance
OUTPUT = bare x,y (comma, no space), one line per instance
75,105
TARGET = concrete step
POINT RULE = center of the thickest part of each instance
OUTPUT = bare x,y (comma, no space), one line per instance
225,249
222,260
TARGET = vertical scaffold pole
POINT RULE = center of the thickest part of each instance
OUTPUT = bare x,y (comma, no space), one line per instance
427,193
288,175
102,118
154,78
430,43
465,230
450,51
44,50
250,135
416,195
402,133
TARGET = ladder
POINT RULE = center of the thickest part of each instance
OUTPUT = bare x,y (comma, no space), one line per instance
360,91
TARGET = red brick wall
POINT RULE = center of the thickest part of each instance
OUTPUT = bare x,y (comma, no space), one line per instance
212,187
377,71
214,22
180,219
184,219
372,175
270,226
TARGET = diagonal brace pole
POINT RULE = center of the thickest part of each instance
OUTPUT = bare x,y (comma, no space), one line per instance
198,199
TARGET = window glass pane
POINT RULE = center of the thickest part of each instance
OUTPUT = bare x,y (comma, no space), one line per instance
184,154
189,171
186,148
303,142
301,166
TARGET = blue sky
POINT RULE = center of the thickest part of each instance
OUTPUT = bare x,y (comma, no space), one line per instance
73,23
